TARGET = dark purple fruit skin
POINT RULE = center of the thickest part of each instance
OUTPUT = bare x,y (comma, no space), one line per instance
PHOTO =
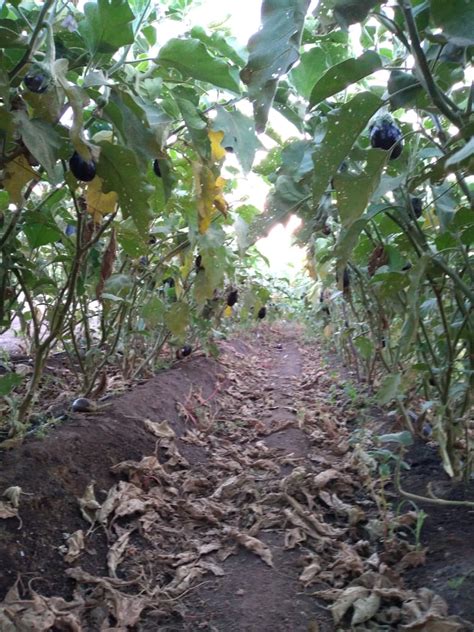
186,350
232,298
416,206
156,168
262,312
36,82
81,169
346,279
384,135
169,281
197,263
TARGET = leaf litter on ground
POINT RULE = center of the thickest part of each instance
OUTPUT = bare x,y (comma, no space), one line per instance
171,526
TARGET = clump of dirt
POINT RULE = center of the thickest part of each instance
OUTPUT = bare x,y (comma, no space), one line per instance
217,496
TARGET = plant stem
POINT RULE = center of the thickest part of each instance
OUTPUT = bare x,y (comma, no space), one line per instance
427,78
31,48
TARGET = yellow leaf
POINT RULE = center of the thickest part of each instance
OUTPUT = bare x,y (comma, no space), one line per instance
327,331
98,202
228,311
217,151
204,182
209,195
219,200
18,173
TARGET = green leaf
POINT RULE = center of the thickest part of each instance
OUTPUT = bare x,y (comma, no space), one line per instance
364,346
187,101
119,169
404,438
221,44
239,133
404,89
152,312
311,67
410,326
107,25
348,12
273,51
41,139
118,285
462,154
177,318
344,127
343,75
8,383
456,19
355,191
41,234
390,388
288,196
131,122
192,59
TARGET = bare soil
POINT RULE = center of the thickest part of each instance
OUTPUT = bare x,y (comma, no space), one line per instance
254,518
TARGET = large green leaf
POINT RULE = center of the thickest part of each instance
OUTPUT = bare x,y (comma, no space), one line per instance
344,127
344,74
8,383
410,326
288,196
354,191
177,318
187,101
404,90
311,67
349,12
107,25
131,124
390,388
224,45
456,19
239,134
41,139
119,169
273,51
41,234
192,59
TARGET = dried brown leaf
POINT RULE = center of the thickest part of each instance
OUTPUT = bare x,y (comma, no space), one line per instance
88,504
116,551
75,544
365,608
162,430
13,495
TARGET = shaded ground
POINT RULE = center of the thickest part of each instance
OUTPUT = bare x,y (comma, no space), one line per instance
254,503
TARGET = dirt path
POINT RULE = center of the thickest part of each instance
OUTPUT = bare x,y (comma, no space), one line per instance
226,498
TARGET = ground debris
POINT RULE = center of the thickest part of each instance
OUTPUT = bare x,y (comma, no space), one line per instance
260,483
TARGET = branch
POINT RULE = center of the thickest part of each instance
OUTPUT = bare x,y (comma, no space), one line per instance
34,37
427,78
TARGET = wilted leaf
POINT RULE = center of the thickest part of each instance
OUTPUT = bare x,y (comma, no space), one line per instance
116,551
13,494
365,608
76,544
89,505
217,151
98,202
162,430
252,544
18,173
